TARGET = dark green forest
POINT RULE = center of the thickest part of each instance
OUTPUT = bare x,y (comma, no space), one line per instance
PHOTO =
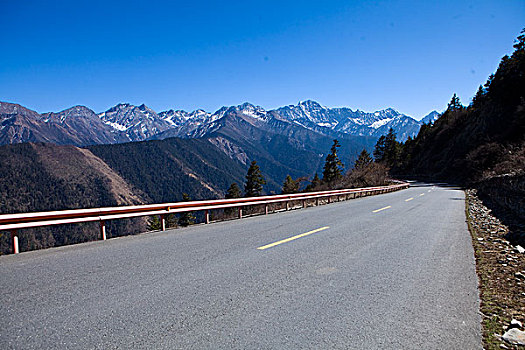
159,169
27,185
44,177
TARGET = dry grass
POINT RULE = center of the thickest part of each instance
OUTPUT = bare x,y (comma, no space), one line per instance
502,292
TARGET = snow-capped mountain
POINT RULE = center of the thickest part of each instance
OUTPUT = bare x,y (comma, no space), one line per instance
430,118
77,125
125,122
312,115
255,115
308,114
136,123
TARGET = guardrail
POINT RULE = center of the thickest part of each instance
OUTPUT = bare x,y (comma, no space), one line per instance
14,222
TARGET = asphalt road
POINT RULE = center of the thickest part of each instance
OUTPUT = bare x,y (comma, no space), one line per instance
398,278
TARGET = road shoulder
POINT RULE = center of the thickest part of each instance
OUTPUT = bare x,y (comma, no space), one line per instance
501,272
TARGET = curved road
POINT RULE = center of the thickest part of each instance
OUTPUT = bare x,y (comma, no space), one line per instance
394,271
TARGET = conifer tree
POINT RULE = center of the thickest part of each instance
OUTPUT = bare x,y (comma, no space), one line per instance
316,182
479,96
519,45
454,104
254,181
379,149
333,166
186,218
290,185
387,149
363,160
234,191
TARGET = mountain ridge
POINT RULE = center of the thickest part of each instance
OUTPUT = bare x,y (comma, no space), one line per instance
125,122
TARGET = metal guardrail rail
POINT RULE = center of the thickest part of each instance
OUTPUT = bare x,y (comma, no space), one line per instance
14,222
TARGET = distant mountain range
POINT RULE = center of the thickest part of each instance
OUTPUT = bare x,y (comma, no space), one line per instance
124,122
133,155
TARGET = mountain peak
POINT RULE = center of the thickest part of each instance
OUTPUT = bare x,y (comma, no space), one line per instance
310,104
246,105
430,117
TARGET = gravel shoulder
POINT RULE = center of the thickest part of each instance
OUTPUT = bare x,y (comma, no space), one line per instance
501,271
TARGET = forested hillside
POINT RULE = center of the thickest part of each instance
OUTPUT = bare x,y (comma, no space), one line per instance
42,177
165,169
294,151
483,140
480,146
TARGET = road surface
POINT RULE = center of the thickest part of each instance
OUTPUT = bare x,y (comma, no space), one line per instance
394,271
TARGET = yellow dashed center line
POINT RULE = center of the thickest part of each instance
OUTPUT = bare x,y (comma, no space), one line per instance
292,238
409,199
422,194
377,210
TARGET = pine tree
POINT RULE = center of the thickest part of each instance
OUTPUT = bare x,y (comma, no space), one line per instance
379,149
254,181
234,191
186,218
333,166
387,149
363,160
454,104
393,148
290,186
520,41
315,183
479,96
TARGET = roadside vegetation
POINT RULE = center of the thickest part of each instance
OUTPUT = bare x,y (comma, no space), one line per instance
501,273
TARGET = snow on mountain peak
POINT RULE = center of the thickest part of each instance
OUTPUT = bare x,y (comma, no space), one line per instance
380,123
431,117
136,121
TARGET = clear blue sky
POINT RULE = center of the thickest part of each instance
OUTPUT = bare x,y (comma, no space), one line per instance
408,55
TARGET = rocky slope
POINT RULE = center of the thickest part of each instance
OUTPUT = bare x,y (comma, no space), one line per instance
134,123
125,122
312,115
500,265
76,126
44,177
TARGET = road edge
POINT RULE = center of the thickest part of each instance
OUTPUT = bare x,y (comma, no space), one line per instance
497,270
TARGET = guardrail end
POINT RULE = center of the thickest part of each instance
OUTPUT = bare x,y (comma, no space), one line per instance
14,239
103,230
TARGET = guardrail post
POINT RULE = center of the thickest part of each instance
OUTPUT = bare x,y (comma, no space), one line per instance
103,230
266,209
317,201
163,222
240,213
207,216
329,199
304,203
287,205
14,239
